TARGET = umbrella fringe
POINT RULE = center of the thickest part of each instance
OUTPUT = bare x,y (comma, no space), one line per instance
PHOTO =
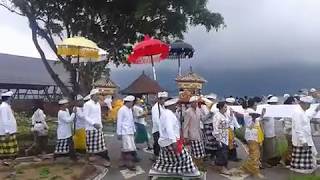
81,52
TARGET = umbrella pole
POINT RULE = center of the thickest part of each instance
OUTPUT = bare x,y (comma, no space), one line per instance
77,91
153,69
179,66
78,67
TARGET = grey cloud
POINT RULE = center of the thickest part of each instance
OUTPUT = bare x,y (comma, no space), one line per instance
279,31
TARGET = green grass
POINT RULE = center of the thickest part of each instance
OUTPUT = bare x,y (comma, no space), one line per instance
44,172
67,170
309,177
57,178
24,126
25,136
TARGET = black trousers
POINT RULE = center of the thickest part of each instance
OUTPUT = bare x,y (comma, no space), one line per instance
211,153
222,155
156,147
72,151
233,154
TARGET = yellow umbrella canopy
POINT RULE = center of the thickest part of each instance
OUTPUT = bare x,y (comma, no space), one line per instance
78,46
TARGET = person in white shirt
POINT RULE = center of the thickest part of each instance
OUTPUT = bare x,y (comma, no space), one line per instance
233,125
303,152
65,145
221,133
315,94
139,115
204,112
252,136
8,128
155,116
79,137
287,129
211,145
125,131
192,131
40,129
174,158
108,102
269,154
95,142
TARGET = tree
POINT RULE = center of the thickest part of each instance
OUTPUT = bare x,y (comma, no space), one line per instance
113,24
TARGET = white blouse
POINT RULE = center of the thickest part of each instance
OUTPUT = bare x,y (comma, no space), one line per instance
125,122
301,127
8,123
80,118
139,111
169,128
92,113
220,128
155,115
65,120
251,134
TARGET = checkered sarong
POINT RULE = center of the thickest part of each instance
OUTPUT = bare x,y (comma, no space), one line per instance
210,141
95,141
62,146
170,162
8,146
197,149
303,160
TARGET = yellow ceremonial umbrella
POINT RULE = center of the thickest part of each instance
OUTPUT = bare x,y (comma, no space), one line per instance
79,47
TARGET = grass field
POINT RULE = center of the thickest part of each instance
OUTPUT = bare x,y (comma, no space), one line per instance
25,136
304,177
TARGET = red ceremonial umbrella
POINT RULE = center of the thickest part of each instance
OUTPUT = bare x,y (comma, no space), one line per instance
149,51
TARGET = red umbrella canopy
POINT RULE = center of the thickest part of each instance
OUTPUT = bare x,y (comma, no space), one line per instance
149,51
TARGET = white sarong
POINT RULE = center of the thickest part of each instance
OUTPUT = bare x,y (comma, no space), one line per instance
128,143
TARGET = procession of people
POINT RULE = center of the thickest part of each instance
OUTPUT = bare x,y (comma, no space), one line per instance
187,136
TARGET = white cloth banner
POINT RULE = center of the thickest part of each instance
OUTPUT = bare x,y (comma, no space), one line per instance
276,110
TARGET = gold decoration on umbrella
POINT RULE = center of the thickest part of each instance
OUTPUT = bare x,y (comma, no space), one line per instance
78,47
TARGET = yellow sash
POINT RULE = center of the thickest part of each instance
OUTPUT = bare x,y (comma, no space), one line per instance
79,139
260,133
231,138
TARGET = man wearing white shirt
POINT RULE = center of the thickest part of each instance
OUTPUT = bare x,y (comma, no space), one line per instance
126,130
156,113
233,125
139,115
39,128
94,135
303,152
8,128
315,94
192,131
269,143
210,142
80,126
65,145
108,102
174,158
204,114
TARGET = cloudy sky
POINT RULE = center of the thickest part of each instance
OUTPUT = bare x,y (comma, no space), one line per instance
261,37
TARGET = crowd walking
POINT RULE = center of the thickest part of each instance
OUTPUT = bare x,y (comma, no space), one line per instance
187,136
